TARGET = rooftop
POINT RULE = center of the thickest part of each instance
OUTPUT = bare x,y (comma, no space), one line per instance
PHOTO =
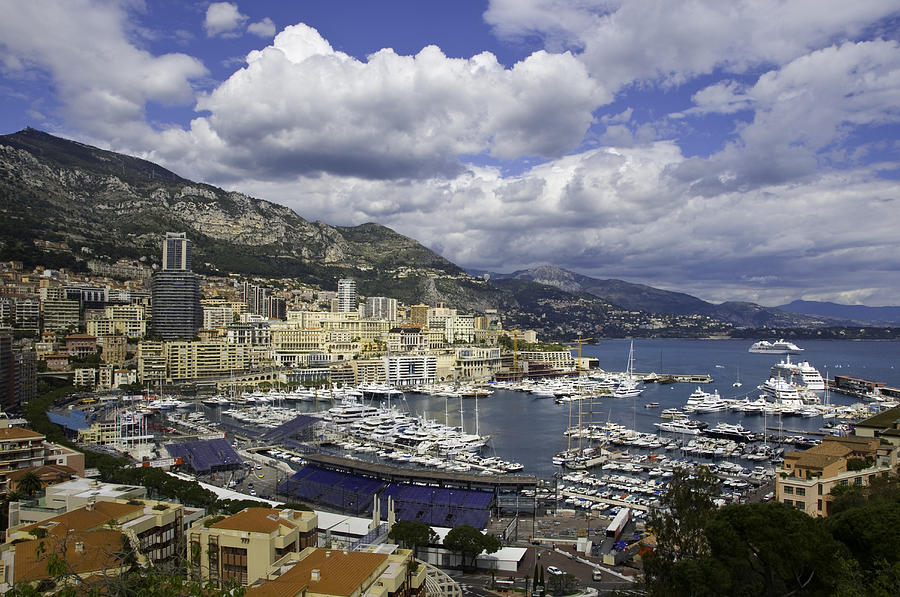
883,420
340,573
255,520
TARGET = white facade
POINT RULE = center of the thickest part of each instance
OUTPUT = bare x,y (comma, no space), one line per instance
406,371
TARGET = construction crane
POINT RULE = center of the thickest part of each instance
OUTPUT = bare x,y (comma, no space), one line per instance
580,342
515,339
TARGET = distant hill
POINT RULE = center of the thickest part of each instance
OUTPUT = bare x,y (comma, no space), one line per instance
640,297
874,316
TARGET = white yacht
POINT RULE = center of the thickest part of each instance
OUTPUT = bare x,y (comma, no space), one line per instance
713,403
683,426
777,347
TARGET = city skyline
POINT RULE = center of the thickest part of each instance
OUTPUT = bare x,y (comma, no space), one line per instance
740,152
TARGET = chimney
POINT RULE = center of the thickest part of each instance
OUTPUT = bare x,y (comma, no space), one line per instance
327,554
314,574
79,546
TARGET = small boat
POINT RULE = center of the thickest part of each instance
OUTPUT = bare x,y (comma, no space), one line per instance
652,405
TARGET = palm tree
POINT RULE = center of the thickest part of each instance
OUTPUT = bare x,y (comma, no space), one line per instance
29,484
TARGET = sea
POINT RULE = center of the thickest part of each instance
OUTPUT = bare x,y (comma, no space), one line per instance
529,429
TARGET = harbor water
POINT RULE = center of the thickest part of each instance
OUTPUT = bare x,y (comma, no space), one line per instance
529,429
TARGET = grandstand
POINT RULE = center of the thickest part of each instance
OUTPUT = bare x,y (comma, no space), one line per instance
205,456
354,494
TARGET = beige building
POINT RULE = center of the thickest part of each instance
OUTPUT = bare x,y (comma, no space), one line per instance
805,479
250,545
337,573
21,448
125,320
113,349
151,359
884,425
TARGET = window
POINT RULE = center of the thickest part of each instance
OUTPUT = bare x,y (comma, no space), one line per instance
820,489
819,505
788,489
789,502
234,564
801,491
857,481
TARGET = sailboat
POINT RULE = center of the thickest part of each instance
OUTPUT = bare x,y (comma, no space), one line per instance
628,387
737,382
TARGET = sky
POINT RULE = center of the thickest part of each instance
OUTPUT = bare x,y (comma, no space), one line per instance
741,150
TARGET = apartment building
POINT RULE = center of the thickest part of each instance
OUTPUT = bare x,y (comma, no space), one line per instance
94,539
250,545
806,478
195,360
20,448
126,320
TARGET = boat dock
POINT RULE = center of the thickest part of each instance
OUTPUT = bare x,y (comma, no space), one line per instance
674,377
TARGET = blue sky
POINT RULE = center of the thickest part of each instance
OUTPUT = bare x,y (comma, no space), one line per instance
744,150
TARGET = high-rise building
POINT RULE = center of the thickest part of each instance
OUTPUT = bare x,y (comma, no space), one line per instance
176,252
176,310
381,307
346,296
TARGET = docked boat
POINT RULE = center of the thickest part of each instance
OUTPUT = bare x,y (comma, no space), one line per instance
728,431
628,387
801,373
683,426
777,347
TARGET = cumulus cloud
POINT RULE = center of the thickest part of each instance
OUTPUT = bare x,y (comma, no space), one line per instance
223,19
263,28
301,107
103,80
623,41
800,110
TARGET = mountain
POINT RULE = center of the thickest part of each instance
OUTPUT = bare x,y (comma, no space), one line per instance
63,203
874,316
640,297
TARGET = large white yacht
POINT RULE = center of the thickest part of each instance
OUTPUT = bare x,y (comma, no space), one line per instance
682,426
777,347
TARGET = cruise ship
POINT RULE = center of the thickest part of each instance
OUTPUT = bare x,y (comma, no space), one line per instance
801,373
777,347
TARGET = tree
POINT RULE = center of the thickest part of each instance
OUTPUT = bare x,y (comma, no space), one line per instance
30,484
412,534
679,529
467,540
773,549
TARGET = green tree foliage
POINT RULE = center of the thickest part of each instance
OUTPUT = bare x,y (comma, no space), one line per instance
469,542
30,484
413,535
773,549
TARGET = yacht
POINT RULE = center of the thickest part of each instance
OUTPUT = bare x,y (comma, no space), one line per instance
713,403
777,347
729,431
683,426
782,391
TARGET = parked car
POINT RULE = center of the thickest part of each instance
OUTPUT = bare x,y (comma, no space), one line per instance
553,570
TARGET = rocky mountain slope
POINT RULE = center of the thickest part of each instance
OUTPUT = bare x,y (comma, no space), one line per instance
62,203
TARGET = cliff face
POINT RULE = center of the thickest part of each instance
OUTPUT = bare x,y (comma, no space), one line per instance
63,202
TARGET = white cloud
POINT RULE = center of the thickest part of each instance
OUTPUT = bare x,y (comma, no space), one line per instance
263,28
800,110
623,41
300,107
102,79
223,18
